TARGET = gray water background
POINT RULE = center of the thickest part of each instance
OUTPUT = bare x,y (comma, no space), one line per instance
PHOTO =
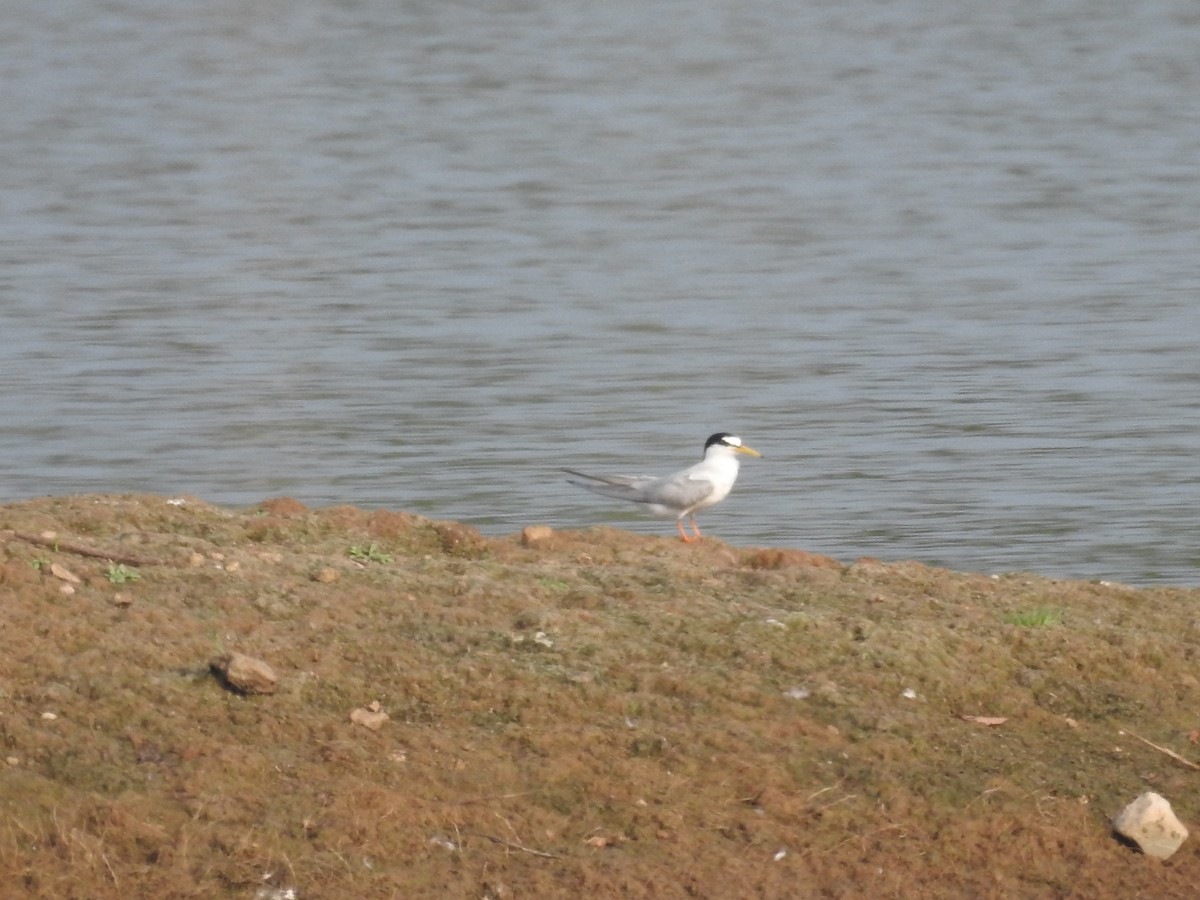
938,261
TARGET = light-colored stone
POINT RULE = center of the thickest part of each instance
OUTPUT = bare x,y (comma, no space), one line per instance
371,717
326,575
1149,822
245,673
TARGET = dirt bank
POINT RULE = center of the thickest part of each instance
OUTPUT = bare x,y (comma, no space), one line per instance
596,714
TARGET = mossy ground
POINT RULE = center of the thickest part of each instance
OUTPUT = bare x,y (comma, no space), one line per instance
597,714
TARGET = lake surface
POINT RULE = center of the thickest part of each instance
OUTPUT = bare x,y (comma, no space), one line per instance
938,262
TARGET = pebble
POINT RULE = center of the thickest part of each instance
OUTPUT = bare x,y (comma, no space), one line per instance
371,717
245,673
326,575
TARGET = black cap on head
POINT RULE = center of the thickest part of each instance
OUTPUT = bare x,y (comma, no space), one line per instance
718,438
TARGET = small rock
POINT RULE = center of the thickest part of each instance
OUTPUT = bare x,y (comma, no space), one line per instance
1149,822
12,760
49,716
122,600
245,673
66,589
195,560
232,566
600,840
371,717
326,575
64,573
535,534
49,535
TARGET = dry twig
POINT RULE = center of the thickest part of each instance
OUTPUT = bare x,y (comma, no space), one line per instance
512,846
81,550
1171,753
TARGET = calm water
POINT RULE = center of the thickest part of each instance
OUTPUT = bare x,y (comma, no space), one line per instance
939,262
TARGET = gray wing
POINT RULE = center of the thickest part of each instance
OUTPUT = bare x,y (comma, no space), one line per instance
677,491
623,487
674,491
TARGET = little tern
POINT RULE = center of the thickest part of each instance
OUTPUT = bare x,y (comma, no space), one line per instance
683,493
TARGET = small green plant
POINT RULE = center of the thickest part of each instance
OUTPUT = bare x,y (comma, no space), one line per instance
40,563
359,553
1041,617
119,573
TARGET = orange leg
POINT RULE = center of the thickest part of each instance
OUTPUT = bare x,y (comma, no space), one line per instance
688,539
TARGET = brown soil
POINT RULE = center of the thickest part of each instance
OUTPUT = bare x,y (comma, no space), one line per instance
596,714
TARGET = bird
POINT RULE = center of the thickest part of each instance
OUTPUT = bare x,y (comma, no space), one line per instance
683,493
